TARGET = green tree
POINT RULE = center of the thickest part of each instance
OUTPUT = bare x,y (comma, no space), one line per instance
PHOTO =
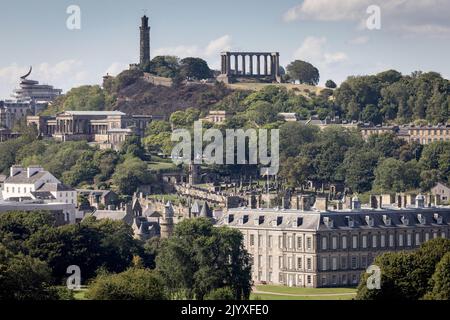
441,280
304,72
330,84
130,174
194,68
200,258
132,284
23,277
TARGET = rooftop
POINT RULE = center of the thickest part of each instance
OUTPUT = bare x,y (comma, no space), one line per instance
95,113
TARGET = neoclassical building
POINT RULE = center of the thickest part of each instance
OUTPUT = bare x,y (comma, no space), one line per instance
322,248
108,129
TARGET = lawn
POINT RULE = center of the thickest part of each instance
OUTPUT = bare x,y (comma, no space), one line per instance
80,294
271,292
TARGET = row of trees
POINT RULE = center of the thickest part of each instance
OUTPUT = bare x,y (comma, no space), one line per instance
384,163
198,262
421,274
172,67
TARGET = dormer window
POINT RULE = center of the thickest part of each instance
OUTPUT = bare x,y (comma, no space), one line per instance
350,221
279,220
437,218
387,220
297,222
404,220
369,221
245,219
258,221
230,218
421,218
328,222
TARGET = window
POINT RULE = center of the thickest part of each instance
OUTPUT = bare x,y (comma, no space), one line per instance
308,243
344,242
290,242
363,261
409,240
280,262
417,239
443,234
400,240
324,281
364,242
391,240
343,262
324,264
308,264
18,189
324,243
334,243
299,243
290,263
382,241
354,263
308,279
334,263
252,240
280,242
374,241
269,241
299,263
270,277
281,278
355,242
270,262
259,261
427,237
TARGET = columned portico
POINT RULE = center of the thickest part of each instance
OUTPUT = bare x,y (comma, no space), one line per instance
267,66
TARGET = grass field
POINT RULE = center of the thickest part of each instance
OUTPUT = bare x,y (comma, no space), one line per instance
270,292
80,295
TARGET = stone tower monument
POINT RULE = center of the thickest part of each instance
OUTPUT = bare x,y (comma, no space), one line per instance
166,223
145,41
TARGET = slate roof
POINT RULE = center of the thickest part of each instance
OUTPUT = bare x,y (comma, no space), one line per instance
332,220
23,178
54,187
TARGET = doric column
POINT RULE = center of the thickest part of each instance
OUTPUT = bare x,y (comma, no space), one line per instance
277,64
236,64
258,64
265,65
251,64
243,64
228,64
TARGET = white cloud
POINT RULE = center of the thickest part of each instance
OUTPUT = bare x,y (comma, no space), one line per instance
211,52
408,17
313,50
359,40
64,74
218,45
115,68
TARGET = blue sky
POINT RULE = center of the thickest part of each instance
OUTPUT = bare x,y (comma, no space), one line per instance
331,34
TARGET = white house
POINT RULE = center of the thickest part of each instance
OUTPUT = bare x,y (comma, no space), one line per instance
34,183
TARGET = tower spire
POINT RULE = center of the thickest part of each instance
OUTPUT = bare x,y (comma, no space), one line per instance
144,41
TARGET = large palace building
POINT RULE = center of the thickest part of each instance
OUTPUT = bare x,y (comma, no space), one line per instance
319,247
108,129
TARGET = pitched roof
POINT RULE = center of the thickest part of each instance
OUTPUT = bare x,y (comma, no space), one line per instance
22,177
54,187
